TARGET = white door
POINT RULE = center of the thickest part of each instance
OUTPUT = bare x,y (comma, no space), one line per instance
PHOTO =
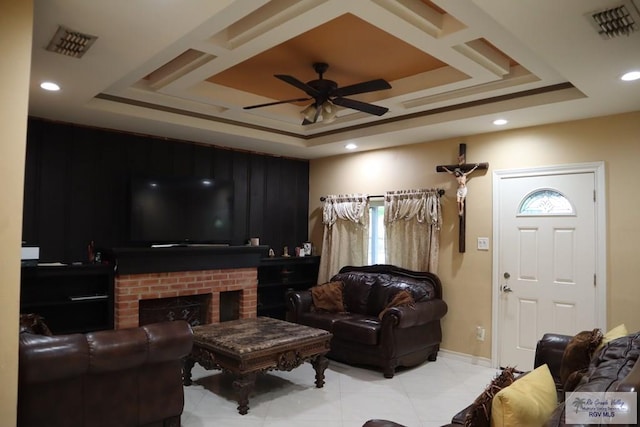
546,265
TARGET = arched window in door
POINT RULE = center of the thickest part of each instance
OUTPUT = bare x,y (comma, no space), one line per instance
546,202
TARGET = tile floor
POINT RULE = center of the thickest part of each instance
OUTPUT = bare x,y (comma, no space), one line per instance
424,396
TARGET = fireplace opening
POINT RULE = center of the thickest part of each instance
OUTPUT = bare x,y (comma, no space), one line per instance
193,308
229,305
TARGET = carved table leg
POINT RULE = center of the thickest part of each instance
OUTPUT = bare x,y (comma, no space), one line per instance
320,363
187,365
243,387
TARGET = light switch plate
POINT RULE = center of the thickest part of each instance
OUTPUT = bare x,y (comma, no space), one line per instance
483,243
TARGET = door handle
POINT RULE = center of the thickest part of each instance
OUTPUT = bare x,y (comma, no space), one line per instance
506,289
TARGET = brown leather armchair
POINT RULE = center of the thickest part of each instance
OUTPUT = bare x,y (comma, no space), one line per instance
126,377
403,336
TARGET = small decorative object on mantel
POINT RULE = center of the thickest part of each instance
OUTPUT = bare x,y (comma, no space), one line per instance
271,253
91,251
462,171
307,248
285,251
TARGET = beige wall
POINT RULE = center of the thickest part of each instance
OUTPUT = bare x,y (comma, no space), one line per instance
467,277
15,45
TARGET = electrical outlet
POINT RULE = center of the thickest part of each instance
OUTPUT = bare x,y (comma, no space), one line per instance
479,333
483,243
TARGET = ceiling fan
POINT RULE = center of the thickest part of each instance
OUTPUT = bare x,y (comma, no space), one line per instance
326,95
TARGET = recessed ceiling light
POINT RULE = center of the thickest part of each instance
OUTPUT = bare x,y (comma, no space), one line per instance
49,86
500,122
351,146
630,76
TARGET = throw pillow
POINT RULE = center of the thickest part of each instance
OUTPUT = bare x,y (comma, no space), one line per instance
34,324
615,333
528,402
328,297
576,357
402,298
479,413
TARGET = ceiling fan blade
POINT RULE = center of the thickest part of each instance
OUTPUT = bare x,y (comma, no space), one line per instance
370,86
275,103
300,85
360,106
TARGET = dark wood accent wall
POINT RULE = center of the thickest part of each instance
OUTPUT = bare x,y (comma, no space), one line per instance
77,188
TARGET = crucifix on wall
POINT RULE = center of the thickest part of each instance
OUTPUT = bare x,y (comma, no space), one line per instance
461,171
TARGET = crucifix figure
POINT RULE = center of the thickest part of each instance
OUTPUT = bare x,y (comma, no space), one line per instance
461,177
461,171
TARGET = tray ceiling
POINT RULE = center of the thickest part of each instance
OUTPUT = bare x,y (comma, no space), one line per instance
186,70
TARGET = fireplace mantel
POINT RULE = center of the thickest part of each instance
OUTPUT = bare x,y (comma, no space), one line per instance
188,258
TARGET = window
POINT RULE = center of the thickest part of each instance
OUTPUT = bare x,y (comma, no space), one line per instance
545,202
376,232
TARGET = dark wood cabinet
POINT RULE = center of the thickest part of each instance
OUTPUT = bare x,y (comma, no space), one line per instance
71,298
277,275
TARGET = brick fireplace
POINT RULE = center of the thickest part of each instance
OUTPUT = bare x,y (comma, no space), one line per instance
131,288
146,274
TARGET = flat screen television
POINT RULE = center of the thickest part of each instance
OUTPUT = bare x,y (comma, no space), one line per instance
186,210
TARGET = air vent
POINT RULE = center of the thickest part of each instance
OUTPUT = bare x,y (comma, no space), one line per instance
71,43
617,21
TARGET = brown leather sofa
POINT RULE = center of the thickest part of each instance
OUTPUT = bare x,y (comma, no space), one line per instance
126,377
613,368
404,336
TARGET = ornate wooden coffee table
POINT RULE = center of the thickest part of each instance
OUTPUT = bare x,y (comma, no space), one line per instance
247,347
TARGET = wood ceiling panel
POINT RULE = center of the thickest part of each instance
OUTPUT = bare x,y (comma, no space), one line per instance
355,50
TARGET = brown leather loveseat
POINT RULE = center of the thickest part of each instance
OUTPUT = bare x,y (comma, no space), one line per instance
126,377
404,335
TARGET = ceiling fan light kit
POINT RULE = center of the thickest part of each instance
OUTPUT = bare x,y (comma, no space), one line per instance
325,114
329,112
327,95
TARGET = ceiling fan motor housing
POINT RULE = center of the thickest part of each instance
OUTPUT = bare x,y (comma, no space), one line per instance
325,87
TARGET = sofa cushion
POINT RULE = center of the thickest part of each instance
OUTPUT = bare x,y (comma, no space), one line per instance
328,297
357,286
358,328
529,401
386,287
613,334
479,413
576,357
34,324
612,364
321,320
400,299
117,350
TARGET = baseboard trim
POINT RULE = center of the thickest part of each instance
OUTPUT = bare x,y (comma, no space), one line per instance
467,358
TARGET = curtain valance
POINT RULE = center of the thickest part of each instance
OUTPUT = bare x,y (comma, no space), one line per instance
350,207
423,205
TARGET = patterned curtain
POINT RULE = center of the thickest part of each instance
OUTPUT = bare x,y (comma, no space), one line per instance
346,235
412,221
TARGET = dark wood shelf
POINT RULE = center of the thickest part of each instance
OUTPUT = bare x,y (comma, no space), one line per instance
71,298
277,275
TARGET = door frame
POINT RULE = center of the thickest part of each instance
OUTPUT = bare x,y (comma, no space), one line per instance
598,169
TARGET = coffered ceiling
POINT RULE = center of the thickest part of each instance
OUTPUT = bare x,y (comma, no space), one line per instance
185,69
